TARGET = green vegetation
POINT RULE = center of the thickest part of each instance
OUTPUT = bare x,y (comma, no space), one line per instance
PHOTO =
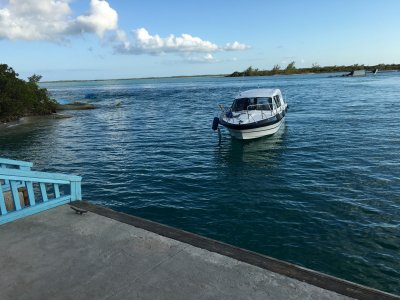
315,68
20,98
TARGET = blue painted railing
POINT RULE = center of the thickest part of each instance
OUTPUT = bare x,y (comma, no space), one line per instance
24,192
9,163
14,164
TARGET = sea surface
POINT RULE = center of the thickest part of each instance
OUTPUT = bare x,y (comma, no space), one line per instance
324,192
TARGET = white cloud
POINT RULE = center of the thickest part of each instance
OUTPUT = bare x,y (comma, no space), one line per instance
208,58
143,42
33,19
100,19
52,20
235,46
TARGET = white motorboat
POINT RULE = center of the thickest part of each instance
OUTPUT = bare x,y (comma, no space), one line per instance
253,114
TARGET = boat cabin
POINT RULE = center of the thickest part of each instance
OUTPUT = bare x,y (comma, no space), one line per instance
258,99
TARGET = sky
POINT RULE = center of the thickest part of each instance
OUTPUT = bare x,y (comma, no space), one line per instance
107,39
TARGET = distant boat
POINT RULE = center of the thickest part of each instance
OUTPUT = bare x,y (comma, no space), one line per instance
358,73
355,73
254,113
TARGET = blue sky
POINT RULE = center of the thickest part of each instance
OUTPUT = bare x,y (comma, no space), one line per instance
98,39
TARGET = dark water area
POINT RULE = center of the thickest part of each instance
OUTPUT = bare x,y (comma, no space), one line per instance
324,192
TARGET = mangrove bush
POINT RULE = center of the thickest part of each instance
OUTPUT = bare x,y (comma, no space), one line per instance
22,98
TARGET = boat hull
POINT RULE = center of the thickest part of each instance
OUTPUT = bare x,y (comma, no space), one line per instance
254,133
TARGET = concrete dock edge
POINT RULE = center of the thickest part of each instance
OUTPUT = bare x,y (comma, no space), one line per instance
315,278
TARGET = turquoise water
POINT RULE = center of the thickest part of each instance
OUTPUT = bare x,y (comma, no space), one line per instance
324,192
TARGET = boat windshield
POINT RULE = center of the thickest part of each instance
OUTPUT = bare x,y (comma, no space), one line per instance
259,103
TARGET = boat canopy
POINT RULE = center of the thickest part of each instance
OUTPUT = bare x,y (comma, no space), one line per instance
255,93
257,99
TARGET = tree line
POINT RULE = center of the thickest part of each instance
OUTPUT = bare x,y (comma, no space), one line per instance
315,68
20,98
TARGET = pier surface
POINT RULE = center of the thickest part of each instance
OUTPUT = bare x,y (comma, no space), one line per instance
58,254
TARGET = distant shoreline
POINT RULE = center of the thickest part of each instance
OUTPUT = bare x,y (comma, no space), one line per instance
197,76
133,78
315,69
250,72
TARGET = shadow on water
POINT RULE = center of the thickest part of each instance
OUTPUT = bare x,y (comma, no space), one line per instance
264,151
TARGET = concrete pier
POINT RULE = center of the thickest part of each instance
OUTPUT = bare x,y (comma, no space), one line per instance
58,254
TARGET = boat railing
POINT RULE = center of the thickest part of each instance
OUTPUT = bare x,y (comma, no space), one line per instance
267,110
264,108
25,192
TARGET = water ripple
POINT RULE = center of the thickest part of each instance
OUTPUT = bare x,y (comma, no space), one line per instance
324,192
